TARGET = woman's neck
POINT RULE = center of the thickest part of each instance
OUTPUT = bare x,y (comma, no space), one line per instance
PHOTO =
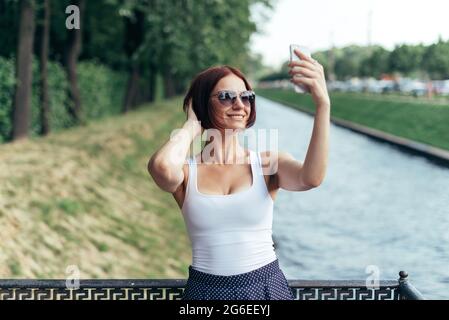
223,149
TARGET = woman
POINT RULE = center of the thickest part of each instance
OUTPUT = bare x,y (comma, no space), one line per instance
226,192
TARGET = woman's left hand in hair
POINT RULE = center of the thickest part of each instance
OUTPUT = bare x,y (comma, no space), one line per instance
312,76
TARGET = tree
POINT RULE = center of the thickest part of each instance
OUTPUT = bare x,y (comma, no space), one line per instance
436,60
348,61
406,58
44,45
376,64
164,40
22,99
74,46
9,26
134,26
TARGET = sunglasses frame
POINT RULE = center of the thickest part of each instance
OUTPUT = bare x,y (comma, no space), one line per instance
233,95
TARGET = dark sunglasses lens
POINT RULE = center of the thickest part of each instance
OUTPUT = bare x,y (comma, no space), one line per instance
226,98
247,98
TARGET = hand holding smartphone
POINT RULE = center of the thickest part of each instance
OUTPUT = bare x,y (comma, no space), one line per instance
293,57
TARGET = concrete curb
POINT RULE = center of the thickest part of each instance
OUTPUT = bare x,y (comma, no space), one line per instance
412,145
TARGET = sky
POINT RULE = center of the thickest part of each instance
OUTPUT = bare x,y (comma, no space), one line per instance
320,23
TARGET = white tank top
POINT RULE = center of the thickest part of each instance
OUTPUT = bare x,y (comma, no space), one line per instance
230,234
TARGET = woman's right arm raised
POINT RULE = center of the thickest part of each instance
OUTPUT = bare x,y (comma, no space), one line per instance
166,164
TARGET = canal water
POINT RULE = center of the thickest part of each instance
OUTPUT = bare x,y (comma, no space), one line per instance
379,208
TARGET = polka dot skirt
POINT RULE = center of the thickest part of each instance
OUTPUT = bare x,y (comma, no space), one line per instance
265,283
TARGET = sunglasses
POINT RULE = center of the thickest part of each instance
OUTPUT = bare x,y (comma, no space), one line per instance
227,98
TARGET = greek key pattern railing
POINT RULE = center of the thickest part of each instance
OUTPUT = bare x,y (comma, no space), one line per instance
91,294
172,289
387,293
176,293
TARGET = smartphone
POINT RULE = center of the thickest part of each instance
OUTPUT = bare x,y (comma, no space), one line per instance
293,57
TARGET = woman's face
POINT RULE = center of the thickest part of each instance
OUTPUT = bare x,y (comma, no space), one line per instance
236,115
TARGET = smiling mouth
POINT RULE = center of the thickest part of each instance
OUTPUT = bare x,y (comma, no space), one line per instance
237,117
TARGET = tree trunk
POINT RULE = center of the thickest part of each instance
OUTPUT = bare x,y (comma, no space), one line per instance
152,85
72,54
132,89
24,75
169,85
142,94
44,98
133,40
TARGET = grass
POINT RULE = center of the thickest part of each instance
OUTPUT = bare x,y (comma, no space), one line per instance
84,197
421,121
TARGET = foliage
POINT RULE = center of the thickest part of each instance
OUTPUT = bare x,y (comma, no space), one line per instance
178,39
101,89
373,61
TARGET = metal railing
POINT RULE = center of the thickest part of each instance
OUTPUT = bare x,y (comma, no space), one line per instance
172,289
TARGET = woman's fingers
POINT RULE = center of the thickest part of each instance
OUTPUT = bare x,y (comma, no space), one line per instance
307,72
303,56
311,83
311,61
303,63
312,76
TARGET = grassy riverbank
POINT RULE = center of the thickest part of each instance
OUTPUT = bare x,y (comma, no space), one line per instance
420,121
83,197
